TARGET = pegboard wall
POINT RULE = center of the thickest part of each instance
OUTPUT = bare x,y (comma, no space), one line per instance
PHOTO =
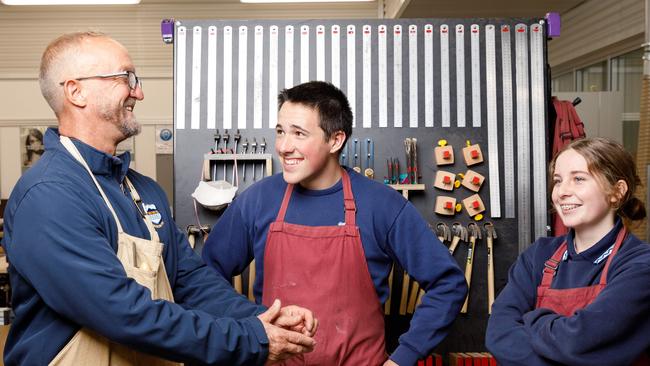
459,80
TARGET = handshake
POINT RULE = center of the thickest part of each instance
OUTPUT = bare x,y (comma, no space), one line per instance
290,331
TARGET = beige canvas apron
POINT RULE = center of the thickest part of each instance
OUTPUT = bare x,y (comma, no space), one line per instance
142,261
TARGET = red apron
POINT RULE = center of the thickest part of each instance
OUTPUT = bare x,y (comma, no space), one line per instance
567,301
323,268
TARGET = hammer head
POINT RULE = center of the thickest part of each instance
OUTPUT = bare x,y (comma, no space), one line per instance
473,230
443,231
489,230
193,229
459,230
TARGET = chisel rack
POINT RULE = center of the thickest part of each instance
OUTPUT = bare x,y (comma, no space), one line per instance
213,162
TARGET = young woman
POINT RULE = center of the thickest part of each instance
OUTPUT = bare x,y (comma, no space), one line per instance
582,298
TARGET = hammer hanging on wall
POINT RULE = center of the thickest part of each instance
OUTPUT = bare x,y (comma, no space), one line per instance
474,232
490,234
460,233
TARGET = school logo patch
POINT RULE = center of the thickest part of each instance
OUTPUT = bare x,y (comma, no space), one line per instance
152,211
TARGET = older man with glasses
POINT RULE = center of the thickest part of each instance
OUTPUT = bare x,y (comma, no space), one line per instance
100,273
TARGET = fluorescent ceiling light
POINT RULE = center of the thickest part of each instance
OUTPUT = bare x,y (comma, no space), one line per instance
302,1
69,2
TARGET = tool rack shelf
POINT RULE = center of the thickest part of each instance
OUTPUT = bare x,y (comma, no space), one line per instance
406,188
267,159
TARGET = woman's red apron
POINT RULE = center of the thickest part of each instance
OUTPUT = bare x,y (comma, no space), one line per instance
323,268
567,301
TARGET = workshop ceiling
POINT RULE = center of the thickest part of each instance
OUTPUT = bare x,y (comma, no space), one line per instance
484,8
447,8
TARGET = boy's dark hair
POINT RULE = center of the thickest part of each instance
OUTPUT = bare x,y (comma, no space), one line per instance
329,101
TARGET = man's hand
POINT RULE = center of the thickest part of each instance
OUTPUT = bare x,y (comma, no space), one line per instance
283,343
297,319
390,362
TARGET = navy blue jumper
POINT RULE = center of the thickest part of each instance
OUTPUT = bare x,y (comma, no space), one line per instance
613,330
61,241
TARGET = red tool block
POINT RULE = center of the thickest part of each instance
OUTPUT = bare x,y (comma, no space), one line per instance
444,155
445,206
444,180
472,155
474,205
473,180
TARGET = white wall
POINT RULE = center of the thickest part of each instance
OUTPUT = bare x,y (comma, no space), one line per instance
601,112
595,30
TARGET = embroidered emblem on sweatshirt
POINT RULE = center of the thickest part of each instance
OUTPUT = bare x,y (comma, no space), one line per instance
153,213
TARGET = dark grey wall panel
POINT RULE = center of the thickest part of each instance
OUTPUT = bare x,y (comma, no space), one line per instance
192,143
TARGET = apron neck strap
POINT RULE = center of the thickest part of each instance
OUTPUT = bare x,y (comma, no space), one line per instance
348,200
72,149
285,203
619,240
551,265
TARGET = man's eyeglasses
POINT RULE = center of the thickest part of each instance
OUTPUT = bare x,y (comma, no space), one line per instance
133,80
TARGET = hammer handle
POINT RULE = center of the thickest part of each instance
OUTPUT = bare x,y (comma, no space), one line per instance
454,244
251,280
390,291
490,274
413,298
468,271
405,293
191,238
236,283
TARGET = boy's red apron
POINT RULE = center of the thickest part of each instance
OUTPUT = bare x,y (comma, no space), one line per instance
323,268
567,301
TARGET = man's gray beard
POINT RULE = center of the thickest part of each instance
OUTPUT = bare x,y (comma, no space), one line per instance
130,128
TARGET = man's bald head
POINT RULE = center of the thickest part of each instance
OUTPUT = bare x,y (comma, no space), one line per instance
60,59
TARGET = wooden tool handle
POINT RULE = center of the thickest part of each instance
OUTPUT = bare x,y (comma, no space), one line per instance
413,298
468,272
251,280
236,283
454,244
405,293
191,238
390,291
490,274
420,297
